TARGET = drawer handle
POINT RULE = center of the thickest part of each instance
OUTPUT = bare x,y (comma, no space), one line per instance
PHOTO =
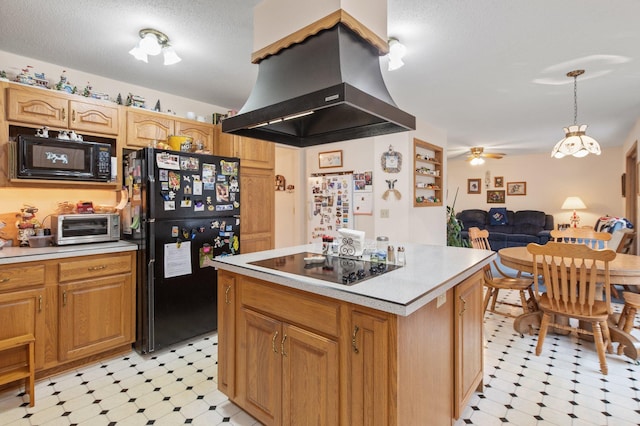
64,298
464,305
226,295
284,339
73,115
40,303
97,268
354,344
5,280
64,114
273,342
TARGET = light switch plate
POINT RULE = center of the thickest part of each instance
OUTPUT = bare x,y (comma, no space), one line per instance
384,213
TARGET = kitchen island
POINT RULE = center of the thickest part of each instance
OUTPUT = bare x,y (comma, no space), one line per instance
400,348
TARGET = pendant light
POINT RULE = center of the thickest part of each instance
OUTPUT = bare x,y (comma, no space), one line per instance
153,42
575,141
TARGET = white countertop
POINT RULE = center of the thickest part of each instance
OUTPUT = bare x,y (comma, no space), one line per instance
429,272
27,254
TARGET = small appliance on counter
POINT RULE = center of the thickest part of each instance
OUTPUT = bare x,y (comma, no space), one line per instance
85,228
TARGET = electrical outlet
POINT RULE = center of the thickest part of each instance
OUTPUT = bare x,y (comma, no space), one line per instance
384,213
441,300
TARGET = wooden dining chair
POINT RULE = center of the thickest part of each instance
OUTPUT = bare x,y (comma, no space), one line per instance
572,282
588,236
479,239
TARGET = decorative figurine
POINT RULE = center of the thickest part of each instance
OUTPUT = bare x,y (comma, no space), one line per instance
74,137
27,224
25,76
87,90
62,134
63,85
43,132
157,107
3,75
119,99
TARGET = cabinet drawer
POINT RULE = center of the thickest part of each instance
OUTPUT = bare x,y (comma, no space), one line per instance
12,278
94,267
298,308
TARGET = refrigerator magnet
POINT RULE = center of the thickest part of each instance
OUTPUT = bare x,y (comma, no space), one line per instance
233,184
163,175
197,185
229,168
170,205
222,192
174,180
189,163
198,206
186,202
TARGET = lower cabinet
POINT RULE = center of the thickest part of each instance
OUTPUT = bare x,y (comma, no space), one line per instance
289,357
75,307
469,341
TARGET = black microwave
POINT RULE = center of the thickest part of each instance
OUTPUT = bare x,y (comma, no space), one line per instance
35,157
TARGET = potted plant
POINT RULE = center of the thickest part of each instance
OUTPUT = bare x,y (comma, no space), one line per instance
454,227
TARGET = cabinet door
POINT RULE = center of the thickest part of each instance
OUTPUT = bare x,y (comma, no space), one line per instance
310,393
223,143
468,341
259,368
145,129
369,396
95,315
255,153
198,131
36,108
86,116
226,333
22,312
257,210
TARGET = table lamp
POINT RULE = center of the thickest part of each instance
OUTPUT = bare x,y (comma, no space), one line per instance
573,203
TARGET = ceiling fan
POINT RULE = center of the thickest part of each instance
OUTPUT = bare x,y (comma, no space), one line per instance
477,155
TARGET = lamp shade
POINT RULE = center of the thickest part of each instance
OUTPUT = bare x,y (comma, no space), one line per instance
573,203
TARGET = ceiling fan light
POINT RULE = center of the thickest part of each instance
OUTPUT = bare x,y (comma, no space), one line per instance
170,56
476,161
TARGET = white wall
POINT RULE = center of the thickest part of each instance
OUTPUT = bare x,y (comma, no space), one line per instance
405,223
290,205
595,179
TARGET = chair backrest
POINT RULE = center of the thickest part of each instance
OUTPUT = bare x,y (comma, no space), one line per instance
588,236
570,273
622,240
479,239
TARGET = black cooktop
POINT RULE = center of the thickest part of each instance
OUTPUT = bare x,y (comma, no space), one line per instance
334,269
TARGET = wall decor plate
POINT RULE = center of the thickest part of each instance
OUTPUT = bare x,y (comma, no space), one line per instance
391,161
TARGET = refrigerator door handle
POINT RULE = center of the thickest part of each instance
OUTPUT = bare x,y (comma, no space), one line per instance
151,282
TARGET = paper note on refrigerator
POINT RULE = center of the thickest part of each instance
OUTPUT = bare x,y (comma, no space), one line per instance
177,259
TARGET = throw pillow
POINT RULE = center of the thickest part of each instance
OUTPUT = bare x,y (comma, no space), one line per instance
498,216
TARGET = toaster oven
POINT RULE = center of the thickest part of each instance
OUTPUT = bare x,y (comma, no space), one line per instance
85,228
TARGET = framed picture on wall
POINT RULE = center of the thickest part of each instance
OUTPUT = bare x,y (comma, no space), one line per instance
516,188
473,186
330,159
495,197
498,181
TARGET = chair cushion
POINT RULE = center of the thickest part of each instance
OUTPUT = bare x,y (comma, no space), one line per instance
498,216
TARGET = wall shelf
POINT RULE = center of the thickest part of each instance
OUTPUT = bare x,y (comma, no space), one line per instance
427,174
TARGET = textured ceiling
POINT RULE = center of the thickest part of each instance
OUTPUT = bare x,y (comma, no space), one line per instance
491,73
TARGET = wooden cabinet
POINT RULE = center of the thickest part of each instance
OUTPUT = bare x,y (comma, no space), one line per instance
301,356
257,177
287,356
199,132
254,153
144,129
369,381
36,106
469,342
96,305
226,332
22,304
427,175
76,307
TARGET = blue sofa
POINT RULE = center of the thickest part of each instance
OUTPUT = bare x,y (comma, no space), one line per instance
507,228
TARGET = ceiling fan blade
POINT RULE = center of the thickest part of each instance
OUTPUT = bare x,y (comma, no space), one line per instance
493,155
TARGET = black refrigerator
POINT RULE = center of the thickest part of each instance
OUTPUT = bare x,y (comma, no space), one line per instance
183,210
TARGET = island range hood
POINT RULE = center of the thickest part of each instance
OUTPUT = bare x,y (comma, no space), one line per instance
325,88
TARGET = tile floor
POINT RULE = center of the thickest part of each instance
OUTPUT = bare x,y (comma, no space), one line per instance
563,386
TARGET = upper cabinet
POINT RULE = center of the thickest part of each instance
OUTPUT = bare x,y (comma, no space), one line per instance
145,128
47,108
253,153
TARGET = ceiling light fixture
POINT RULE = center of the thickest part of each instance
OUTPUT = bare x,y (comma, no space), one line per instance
575,141
397,51
153,42
476,161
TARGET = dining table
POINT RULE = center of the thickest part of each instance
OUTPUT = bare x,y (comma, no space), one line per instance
623,270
